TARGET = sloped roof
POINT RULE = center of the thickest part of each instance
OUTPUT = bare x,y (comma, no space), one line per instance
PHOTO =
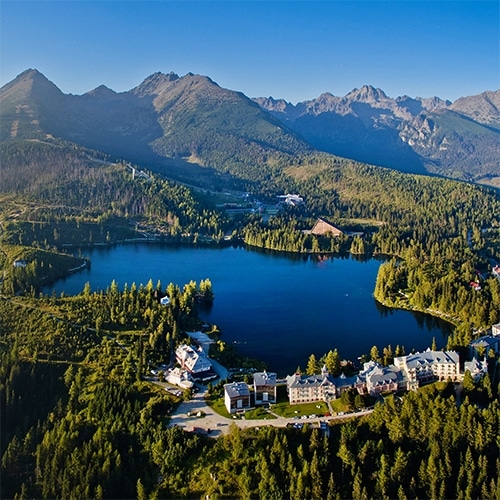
428,358
194,361
294,381
323,226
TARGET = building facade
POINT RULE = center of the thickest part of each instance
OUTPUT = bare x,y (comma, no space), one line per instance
195,362
425,367
310,388
264,386
236,397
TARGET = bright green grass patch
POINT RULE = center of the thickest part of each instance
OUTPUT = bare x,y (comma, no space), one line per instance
217,404
338,406
258,414
289,411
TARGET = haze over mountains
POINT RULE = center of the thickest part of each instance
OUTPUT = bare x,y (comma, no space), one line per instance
458,140
185,122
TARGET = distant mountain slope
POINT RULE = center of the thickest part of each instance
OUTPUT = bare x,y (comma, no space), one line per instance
483,108
165,120
189,127
460,140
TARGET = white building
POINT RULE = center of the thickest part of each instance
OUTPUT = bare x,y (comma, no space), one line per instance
476,368
179,378
236,397
195,362
420,368
310,388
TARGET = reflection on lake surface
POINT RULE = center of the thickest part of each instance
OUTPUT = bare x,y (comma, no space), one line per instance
275,307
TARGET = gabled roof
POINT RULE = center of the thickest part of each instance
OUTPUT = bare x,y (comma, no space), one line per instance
484,341
194,361
476,366
294,381
428,358
323,226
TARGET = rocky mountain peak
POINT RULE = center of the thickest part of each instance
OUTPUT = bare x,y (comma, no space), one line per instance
155,84
367,94
101,92
483,108
30,86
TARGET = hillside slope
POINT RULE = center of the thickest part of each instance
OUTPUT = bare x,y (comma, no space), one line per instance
167,121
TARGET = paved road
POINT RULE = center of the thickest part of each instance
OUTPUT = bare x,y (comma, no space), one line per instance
216,425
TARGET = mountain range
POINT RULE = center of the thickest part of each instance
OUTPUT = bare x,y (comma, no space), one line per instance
189,124
426,135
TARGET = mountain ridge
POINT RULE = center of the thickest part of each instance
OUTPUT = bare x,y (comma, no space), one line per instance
191,120
423,135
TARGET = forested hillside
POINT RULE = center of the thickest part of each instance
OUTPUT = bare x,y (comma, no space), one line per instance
79,419
444,234
78,198
78,422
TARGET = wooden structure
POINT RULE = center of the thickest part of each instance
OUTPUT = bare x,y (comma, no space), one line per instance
322,228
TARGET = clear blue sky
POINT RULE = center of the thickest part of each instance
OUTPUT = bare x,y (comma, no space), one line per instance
295,50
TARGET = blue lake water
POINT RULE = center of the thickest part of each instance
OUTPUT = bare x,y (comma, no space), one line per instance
275,307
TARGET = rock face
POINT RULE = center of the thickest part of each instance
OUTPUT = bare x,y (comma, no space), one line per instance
423,135
483,108
193,120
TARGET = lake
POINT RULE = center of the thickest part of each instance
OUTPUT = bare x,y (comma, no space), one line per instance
276,307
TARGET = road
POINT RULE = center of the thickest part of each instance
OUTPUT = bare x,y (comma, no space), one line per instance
216,425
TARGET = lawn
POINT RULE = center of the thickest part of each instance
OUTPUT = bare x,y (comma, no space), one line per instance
285,409
258,414
217,404
338,406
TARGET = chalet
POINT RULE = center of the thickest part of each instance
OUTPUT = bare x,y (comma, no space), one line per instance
264,386
180,378
195,362
236,397
322,227
310,388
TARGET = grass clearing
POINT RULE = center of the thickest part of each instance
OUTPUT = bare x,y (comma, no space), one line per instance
285,409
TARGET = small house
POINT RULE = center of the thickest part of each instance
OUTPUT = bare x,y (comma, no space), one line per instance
264,386
236,397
